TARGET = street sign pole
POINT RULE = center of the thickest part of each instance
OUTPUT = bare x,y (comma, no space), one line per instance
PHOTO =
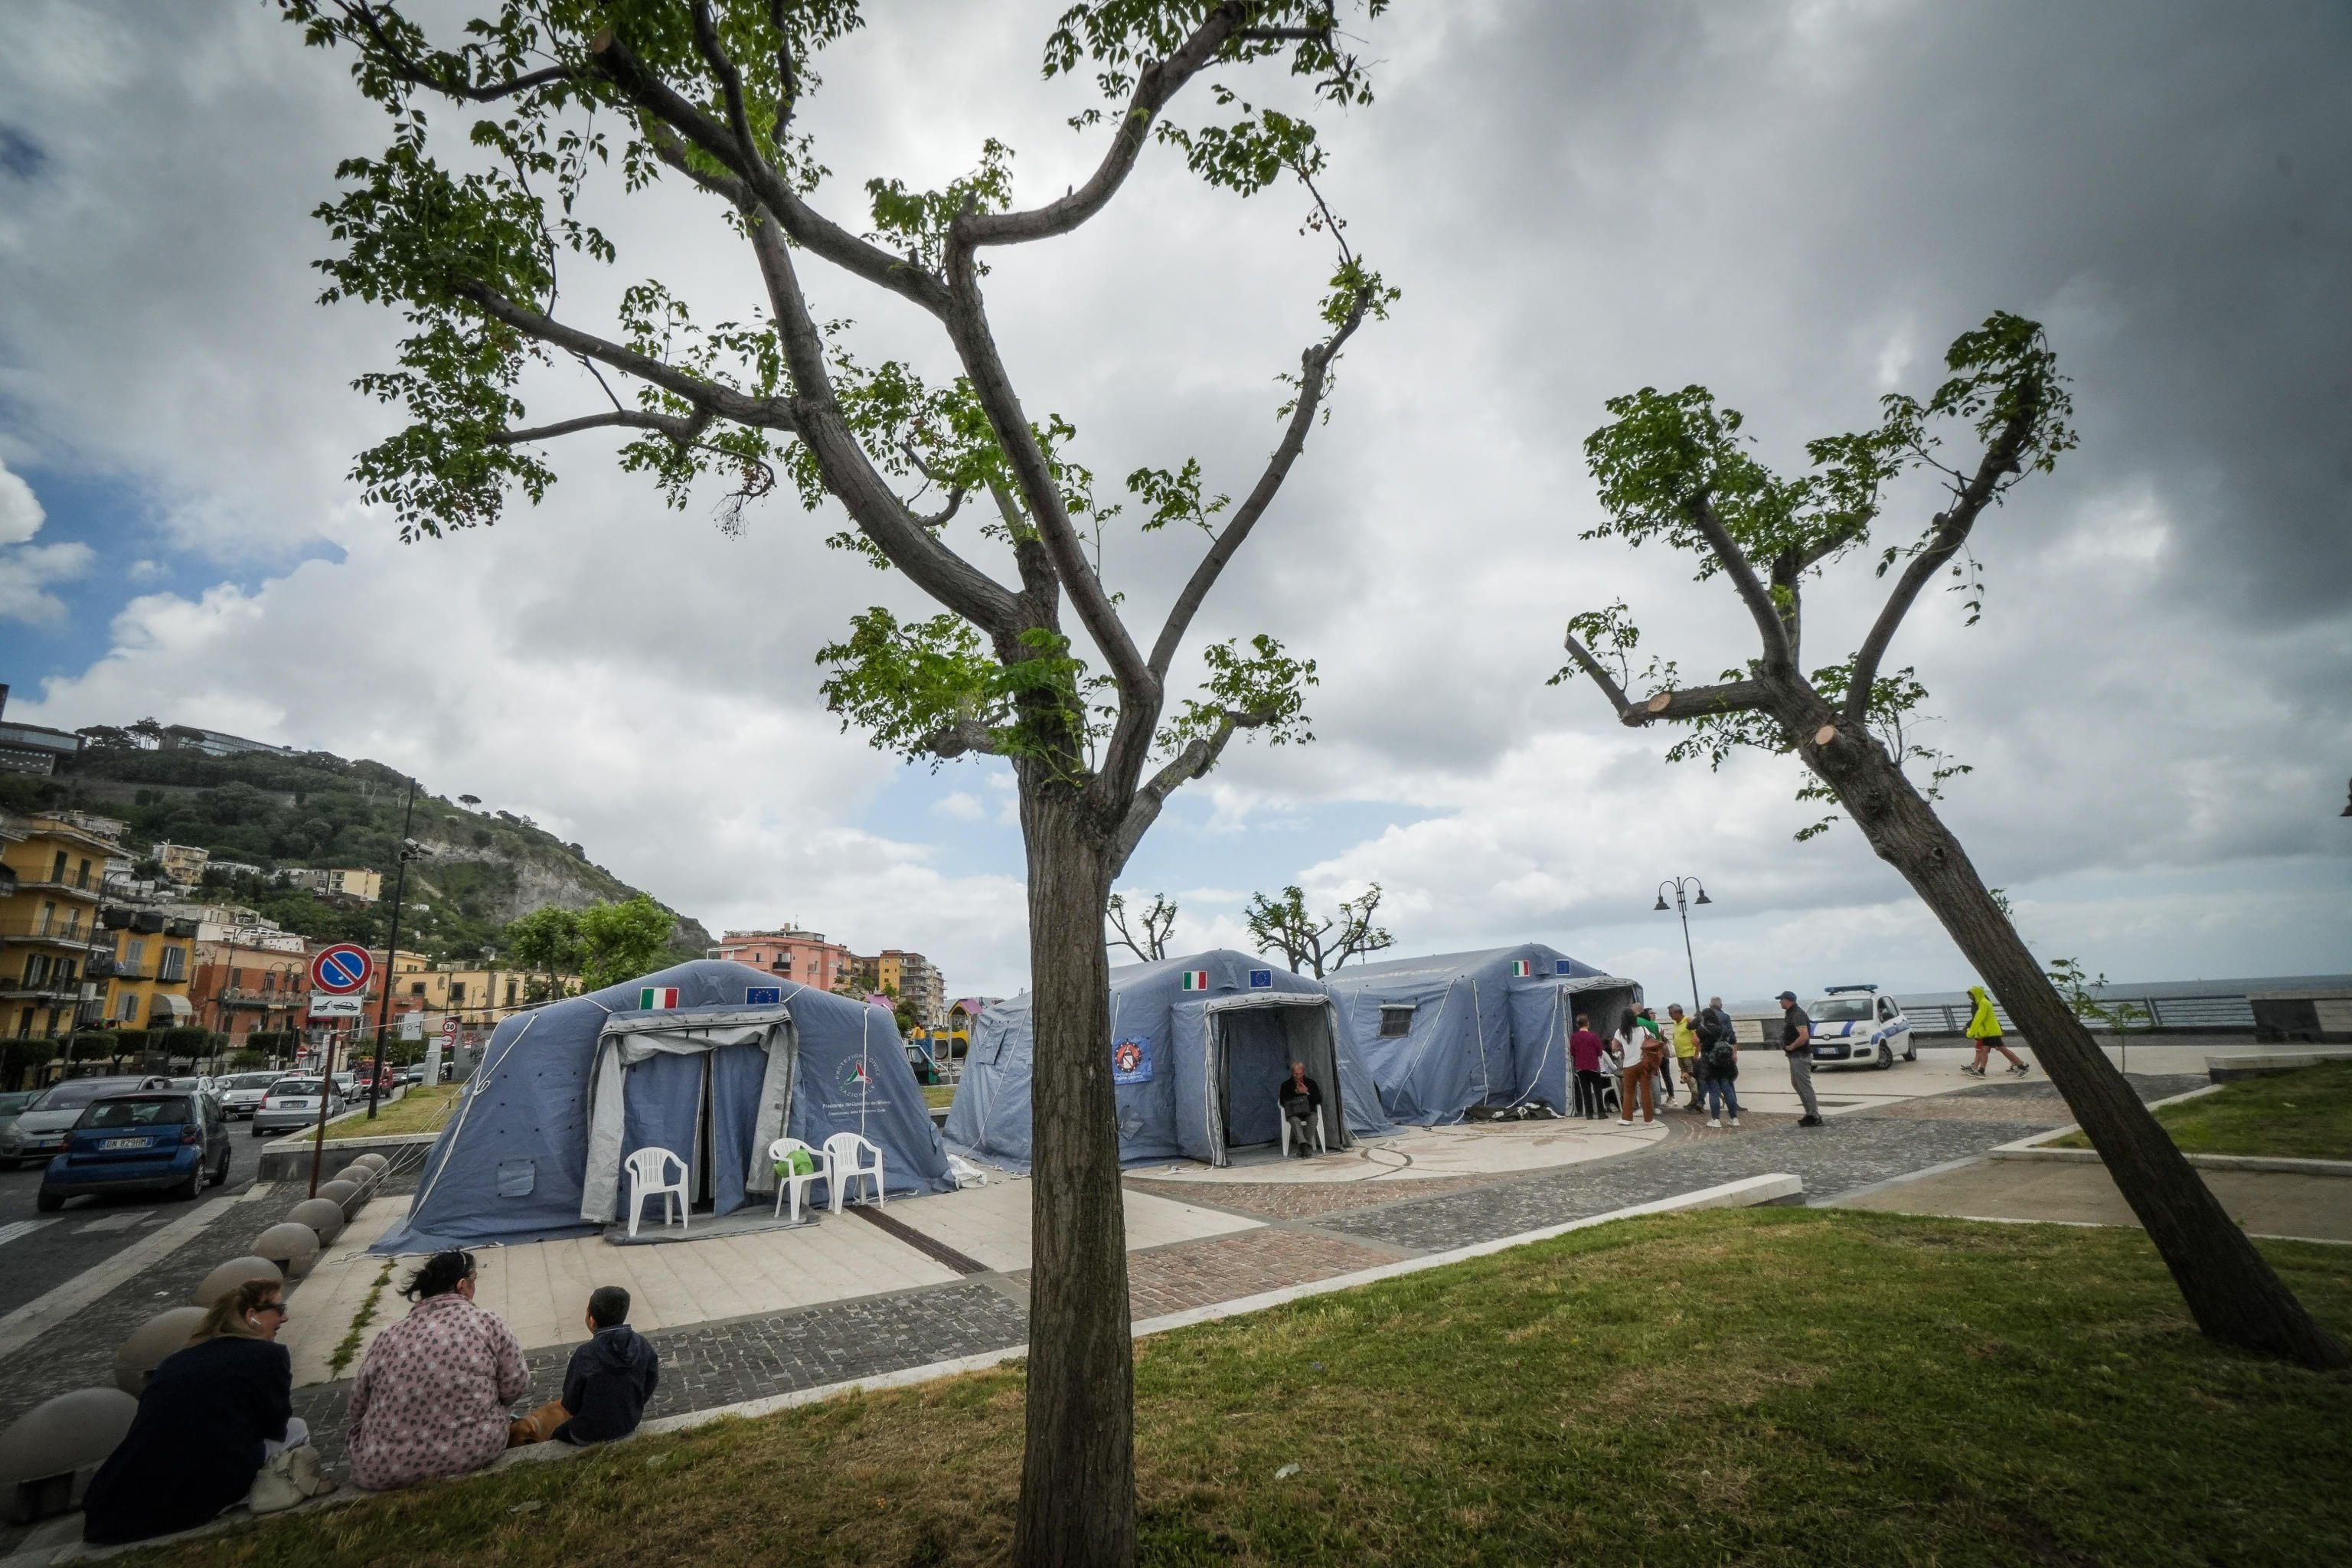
391,950
326,1089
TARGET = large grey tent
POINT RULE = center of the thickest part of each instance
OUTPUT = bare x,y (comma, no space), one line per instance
1443,1034
711,1059
1198,1047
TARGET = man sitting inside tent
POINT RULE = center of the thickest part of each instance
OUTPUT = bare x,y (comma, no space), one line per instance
1302,1102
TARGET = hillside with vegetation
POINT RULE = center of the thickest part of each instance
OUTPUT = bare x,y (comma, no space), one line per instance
484,868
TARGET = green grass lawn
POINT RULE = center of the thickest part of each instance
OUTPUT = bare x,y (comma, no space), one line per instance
1779,1386
421,1110
2305,1114
938,1095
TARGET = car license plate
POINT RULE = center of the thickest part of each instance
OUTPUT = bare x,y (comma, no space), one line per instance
124,1143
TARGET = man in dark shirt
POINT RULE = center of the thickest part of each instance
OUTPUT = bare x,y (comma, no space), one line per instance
1302,1102
1797,1043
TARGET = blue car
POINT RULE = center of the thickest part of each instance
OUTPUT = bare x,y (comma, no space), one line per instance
167,1141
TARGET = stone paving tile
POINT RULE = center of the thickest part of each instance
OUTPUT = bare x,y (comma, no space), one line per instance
1226,1267
1850,1152
1304,1200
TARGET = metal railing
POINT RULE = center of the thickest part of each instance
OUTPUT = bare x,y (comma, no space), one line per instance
2208,1013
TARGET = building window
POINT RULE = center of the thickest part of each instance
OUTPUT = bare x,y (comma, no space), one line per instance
130,1007
57,871
135,954
1395,1021
417,988
25,1024
172,964
51,1032
82,879
36,968
456,991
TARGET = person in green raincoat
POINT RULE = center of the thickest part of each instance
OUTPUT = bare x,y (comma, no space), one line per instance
1985,1030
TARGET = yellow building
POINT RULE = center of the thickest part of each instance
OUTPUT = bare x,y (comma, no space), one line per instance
473,992
52,868
144,975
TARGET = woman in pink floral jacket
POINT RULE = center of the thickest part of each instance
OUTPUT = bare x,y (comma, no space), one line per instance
433,1393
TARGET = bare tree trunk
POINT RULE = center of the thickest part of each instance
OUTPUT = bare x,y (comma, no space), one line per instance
1077,1472
2230,1290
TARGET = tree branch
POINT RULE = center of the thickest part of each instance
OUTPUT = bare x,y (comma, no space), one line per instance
1598,673
682,429
1698,703
403,67
1950,532
1314,367
1198,756
760,413
1777,652
955,739
1154,85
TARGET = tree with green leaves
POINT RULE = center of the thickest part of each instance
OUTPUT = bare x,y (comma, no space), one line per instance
553,96
1310,945
547,942
1146,934
622,941
1673,467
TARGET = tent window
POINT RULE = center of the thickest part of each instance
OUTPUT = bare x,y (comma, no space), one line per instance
1396,1021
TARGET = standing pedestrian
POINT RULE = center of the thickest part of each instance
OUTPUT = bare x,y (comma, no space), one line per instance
1685,1029
1797,1045
1719,1067
1661,1059
1635,1063
1984,1029
1584,1050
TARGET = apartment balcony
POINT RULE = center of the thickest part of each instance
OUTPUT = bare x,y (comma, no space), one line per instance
69,887
246,997
55,929
17,988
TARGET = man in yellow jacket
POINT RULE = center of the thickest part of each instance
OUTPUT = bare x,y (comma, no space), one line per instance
1985,1030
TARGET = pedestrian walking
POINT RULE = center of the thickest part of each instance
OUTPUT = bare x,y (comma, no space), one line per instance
1685,1030
1984,1029
1584,1055
1797,1045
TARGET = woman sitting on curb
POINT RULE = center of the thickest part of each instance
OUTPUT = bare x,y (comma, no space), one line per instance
432,1395
213,1415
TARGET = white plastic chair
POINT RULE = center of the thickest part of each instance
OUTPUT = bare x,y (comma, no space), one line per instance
649,1177
847,1158
1317,1119
820,1167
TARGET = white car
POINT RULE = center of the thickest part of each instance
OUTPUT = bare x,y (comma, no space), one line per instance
293,1102
241,1094
1856,1026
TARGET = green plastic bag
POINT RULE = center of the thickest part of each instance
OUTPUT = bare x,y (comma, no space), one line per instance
795,1164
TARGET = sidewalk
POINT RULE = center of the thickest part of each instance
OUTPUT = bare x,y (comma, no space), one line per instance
2266,1203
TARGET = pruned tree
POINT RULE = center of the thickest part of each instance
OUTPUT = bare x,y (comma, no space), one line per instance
1673,468
1147,938
470,801
1309,945
553,93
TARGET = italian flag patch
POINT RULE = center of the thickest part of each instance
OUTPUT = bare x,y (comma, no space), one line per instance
1521,966
1195,980
655,997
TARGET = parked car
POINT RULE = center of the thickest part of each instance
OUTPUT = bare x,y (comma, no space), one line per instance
413,1074
11,1103
293,1102
1855,1026
241,1094
208,1084
40,1128
168,1139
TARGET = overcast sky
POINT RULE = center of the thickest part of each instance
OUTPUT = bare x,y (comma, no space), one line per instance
1798,204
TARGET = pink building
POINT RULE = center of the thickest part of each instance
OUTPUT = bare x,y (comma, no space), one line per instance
790,954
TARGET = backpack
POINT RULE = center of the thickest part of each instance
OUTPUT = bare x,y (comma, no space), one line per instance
1723,1060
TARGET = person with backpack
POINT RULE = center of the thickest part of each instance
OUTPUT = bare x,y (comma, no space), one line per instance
1718,1063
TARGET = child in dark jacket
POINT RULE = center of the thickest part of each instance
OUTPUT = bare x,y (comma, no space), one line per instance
606,1386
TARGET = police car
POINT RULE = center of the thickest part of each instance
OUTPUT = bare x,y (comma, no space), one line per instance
1854,1023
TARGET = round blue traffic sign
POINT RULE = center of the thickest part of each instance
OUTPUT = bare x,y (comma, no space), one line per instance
342,969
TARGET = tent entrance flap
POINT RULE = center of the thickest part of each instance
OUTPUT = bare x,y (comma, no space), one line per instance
1251,1047
715,1088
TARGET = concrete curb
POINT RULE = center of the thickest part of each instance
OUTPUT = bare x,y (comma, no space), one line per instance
289,1158
2036,1141
2228,1070
2208,1161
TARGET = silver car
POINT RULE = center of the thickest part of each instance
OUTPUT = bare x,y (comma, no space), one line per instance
40,1128
241,1093
293,1102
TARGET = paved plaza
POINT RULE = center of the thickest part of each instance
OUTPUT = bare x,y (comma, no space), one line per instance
869,1293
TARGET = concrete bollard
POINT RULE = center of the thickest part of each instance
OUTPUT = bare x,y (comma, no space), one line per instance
357,1175
323,1215
47,1457
382,1166
231,1275
153,1339
293,1247
344,1196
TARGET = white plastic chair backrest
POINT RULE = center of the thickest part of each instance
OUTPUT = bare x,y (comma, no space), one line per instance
848,1151
649,1168
783,1146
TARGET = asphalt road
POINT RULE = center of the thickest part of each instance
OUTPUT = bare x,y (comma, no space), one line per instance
40,1251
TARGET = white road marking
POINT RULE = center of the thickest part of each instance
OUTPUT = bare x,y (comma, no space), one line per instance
21,1228
111,1222
35,1317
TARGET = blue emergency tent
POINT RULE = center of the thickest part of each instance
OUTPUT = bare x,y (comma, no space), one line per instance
1198,1047
709,1059
1461,1029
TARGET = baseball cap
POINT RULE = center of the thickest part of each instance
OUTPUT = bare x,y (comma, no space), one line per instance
1788,996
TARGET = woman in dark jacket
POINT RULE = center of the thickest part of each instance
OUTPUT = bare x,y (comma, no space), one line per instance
197,1441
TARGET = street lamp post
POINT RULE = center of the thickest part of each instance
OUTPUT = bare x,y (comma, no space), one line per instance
1680,885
